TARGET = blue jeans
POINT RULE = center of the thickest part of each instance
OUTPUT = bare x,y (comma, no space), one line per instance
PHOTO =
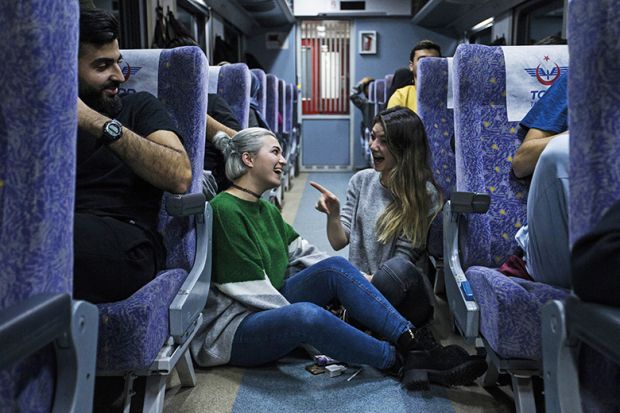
271,334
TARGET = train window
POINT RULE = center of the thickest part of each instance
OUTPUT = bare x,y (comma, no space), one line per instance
131,16
325,66
537,19
194,19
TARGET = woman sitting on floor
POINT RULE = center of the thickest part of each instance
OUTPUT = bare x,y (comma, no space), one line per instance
255,314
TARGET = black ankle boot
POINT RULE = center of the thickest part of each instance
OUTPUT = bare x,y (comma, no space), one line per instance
416,339
447,366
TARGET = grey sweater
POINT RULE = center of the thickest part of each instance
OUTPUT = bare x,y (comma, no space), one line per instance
366,200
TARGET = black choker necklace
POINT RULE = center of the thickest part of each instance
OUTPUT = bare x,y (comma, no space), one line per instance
246,191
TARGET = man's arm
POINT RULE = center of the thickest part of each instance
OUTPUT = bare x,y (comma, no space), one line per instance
158,158
528,153
214,127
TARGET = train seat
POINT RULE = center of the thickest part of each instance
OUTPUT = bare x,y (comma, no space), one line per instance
291,152
273,104
380,91
49,341
438,118
505,311
580,342
232,82
284,128
262,96
148,333
388,83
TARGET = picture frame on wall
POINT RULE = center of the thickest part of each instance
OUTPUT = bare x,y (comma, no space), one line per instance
367,42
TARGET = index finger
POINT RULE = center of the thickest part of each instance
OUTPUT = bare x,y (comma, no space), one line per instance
320,188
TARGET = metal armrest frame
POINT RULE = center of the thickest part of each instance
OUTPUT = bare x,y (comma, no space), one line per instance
191,298
462,305
567,324
72,326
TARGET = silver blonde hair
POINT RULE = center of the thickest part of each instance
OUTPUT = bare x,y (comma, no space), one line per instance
247,140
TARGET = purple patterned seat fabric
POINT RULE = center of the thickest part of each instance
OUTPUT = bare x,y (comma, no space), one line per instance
132,331
37,175
485,144
234,86
272,102
282,105
290,91
432,87
262,97
594,105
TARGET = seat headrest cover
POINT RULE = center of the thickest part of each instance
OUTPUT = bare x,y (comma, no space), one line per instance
141,69
530,71
450,103
214,75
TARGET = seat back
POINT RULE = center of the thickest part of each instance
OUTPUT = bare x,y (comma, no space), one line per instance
282,106
380,91
232,82
594,105
262,96
173,76
38,124
272,102
179,78
432,88
388,83
486,139
290,91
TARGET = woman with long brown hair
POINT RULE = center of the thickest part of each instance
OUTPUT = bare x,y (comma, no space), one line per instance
387,214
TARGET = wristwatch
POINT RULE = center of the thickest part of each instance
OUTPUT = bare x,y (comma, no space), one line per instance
112,131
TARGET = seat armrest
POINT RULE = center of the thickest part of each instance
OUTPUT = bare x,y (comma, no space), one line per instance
185,205
596,325
470,202
192,296
32,324
459,295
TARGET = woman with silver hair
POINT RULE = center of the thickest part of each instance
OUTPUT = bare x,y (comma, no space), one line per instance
257,312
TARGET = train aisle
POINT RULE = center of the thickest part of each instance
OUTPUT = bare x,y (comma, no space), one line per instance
287,387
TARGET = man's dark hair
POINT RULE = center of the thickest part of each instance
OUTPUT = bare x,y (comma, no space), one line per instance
422,45
97,27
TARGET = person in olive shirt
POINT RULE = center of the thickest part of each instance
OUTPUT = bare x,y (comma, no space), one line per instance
257,311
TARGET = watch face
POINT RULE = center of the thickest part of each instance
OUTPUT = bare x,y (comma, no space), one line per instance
114,128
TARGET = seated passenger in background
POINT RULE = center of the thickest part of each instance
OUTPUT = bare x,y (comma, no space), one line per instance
543,155
128,153
255,314
407,95
359,97
387,214
257,119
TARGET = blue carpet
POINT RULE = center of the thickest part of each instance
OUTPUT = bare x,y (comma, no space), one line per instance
288,387
309,222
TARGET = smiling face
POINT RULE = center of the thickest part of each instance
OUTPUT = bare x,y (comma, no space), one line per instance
100,76
268,164
383,160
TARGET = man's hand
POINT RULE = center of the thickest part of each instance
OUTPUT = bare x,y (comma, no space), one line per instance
328,203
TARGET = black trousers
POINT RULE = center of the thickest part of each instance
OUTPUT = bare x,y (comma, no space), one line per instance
113,258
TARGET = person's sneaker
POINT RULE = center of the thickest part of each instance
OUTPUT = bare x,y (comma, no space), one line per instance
447,366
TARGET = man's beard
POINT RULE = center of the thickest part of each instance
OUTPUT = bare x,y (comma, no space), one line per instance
102,103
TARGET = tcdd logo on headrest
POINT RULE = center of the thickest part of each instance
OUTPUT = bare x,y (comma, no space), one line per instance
547,76
129,71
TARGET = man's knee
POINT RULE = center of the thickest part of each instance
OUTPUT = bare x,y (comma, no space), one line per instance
554,159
